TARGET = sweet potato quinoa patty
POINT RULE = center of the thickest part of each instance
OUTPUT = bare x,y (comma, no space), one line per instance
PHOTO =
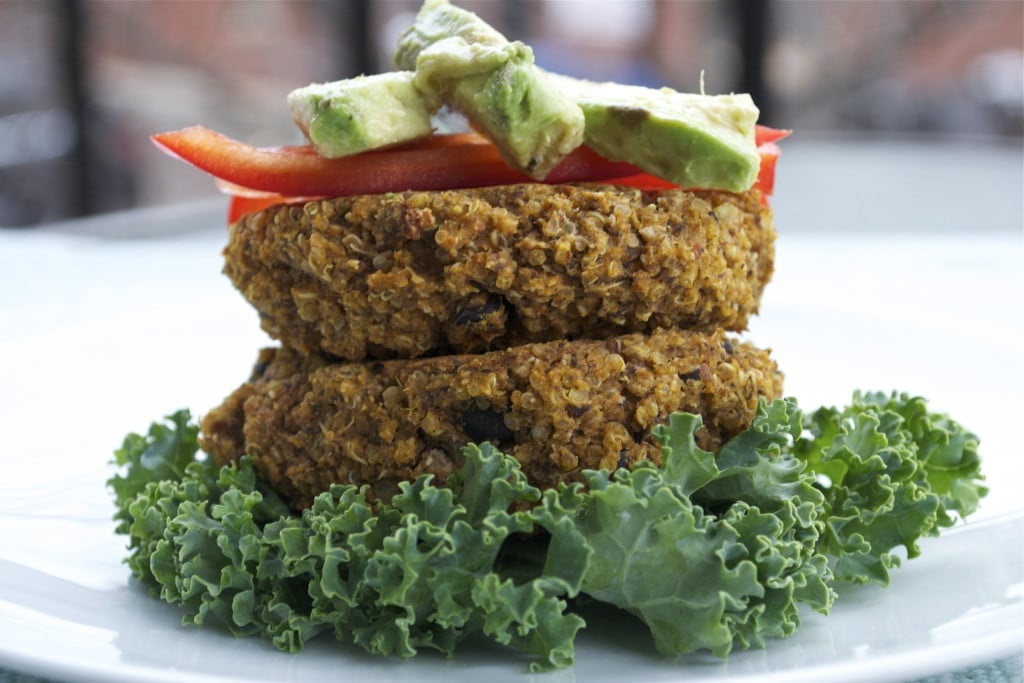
557,407
410,274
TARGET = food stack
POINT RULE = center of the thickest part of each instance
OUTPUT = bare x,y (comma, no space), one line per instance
560,322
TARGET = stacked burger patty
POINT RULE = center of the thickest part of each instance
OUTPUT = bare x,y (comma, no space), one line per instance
559,322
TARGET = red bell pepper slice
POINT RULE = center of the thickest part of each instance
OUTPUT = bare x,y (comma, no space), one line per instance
764,134
263,176
436,163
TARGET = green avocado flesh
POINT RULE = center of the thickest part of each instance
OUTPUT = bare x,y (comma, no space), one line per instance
450,56
692,140
460,60
354,115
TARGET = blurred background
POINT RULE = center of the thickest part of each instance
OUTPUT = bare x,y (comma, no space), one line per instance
83,83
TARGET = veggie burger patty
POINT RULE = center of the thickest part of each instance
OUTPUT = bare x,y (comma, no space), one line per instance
409,274
557,407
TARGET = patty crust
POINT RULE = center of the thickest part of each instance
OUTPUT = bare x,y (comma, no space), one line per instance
410,274
557,407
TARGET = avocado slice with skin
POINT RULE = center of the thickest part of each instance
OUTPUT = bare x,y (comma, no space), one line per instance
534,117
461,60
692,140
357,114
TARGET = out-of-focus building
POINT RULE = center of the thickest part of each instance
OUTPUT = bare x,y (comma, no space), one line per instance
83,83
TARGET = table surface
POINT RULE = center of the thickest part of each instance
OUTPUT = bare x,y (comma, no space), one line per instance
938,226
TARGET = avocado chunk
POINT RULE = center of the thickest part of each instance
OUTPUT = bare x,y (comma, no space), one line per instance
693,140
357,114
462,61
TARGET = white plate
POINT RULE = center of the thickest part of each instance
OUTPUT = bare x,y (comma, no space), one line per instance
67,611
112,335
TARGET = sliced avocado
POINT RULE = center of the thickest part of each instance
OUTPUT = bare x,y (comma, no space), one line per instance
354,115
692,140
461,60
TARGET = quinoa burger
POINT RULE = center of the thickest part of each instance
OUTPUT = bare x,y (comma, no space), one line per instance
425,273
557,407
480,265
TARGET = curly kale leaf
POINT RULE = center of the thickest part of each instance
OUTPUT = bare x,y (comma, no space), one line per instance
712,551
709,552
891,472
163,453
415,572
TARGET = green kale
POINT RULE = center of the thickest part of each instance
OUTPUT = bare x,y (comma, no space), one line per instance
891,472
711,551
